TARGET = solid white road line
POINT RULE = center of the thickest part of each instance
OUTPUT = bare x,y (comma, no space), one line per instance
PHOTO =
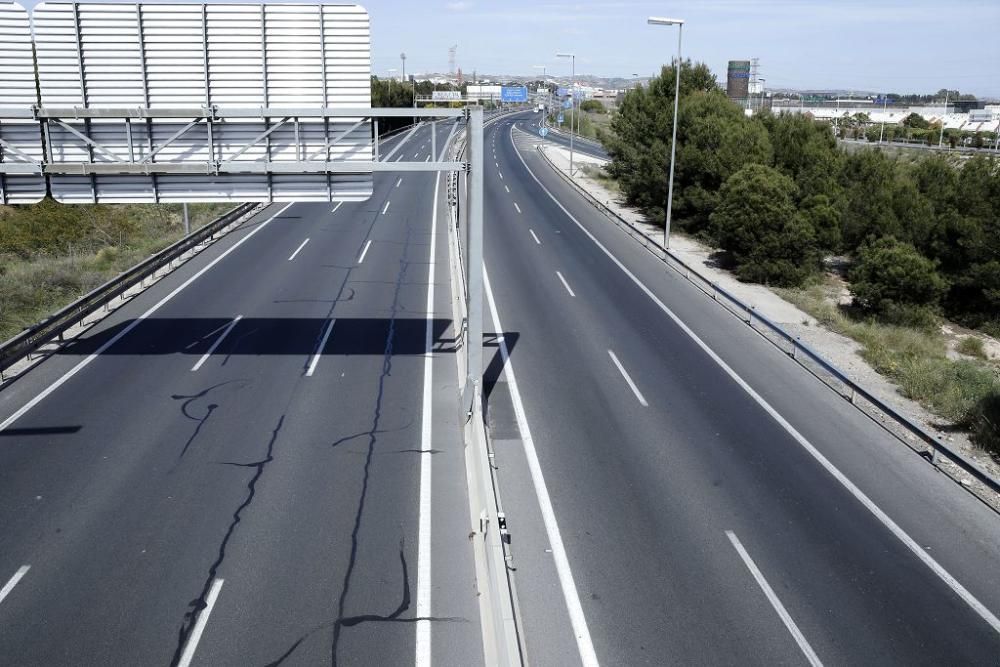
628,379
364,252
507,189
786,618
579,622
292,256
218,340
835,472
199,626
565,284
9,586
319,350
517,207
534,237
399,181
423,646
386,207
339,204
136,322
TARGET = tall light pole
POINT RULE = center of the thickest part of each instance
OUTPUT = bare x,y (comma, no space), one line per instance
572,100
548,95
760,107
943,114
657,20
885,103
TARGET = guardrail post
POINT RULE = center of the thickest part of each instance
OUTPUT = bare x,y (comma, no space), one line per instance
854,394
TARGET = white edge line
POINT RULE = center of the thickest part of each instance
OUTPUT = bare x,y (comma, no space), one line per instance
199,626
364,252
858,494
578,621
9,586
772,597
386,207
566,285
517,207
205,357
423,641
121,334
292,256
319,350
534,237
628,379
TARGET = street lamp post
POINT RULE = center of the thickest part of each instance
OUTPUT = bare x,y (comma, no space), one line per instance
548,95
885,103
943,114
572,99
655,20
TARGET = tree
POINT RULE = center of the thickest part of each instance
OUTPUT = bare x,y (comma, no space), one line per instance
765,239
868,178
592,106
916,121
894,281
807,151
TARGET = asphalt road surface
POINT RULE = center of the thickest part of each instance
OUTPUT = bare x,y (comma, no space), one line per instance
237,477
678,491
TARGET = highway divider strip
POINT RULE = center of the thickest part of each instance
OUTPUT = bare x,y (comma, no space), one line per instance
985,487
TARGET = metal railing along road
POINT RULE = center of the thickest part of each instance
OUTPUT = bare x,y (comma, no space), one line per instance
53,327
881,413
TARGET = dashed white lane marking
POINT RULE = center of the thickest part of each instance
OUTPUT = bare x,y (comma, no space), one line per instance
205,357
303,245
399,158
912,545
566,285
365,251
584,643
427,159
339,204
507,189
635,389
517,207
501,175
386,207
534,237
9,586
786,618
199,627
136,322
416,154
399,181
319,350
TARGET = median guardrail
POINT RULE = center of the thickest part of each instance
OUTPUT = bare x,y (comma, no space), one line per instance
53,327
890,419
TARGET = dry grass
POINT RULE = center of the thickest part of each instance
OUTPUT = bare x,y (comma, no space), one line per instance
965,392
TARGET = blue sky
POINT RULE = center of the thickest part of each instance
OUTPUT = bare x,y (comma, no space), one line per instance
890,45
898,45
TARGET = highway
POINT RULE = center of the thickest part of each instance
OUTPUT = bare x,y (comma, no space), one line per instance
257,461
236,466
678,491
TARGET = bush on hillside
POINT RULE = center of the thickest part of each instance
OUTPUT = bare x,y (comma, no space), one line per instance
895,282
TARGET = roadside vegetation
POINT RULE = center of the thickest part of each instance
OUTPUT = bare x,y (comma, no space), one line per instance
919,235
51,253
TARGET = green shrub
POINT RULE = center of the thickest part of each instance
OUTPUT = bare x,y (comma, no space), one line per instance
592,106
972,347
894,281
756,224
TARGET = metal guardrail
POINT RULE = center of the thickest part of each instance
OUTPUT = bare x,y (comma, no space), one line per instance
52,327
797,350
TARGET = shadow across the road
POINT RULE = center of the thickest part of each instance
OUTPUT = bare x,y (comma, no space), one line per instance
267,336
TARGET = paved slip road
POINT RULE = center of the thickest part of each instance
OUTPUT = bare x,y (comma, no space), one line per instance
677,502
238,478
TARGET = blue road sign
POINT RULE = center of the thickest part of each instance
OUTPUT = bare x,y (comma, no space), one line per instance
561,119
513,94
562,92
568,104
543,131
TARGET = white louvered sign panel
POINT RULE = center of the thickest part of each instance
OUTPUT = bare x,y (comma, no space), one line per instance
228,56
20,141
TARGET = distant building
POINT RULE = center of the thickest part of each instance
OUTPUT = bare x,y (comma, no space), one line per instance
738,80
